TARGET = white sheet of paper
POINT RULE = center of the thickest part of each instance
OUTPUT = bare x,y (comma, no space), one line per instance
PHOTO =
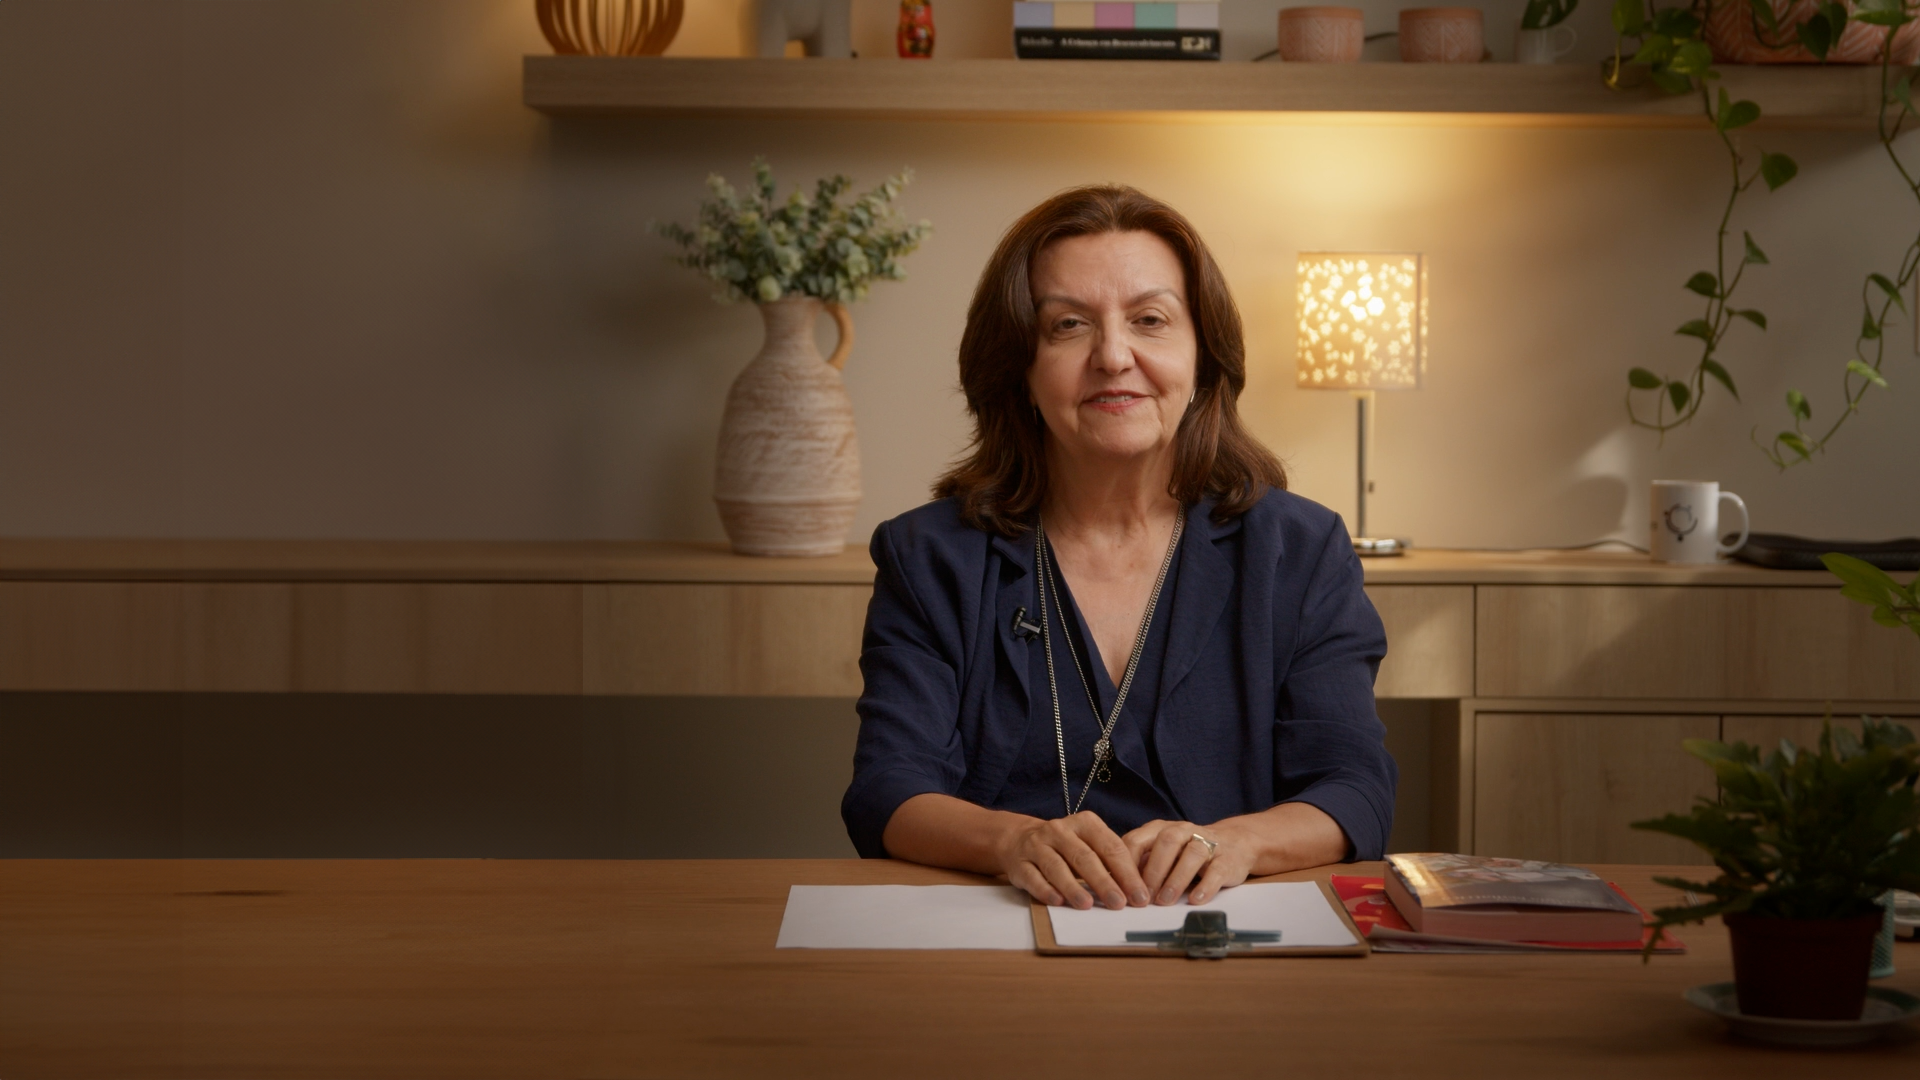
1297,909
906,917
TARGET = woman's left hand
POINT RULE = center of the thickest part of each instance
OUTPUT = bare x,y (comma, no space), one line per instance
1171,859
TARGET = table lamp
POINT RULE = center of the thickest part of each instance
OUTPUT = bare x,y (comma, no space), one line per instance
1363,327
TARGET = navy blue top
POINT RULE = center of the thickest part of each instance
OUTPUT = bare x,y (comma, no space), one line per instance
1136,791
1263,695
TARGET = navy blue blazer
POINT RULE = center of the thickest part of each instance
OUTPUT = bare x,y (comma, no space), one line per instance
1266,695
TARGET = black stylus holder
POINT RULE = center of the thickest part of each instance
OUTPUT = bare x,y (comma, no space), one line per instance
1204,937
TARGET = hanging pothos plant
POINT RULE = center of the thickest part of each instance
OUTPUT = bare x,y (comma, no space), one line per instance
1671,47
1879,293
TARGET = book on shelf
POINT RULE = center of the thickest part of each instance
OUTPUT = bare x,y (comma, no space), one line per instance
1386,930
1492,899
1116,31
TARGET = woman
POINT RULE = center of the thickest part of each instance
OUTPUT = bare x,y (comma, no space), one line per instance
1116,661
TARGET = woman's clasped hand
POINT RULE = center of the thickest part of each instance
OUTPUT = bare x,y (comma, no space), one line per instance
1078,861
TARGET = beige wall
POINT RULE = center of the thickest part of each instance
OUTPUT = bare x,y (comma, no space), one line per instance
308,268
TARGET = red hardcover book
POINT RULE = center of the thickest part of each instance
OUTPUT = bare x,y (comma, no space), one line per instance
1386,930
1485,898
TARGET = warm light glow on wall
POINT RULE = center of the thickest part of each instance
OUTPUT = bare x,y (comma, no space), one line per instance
1363,321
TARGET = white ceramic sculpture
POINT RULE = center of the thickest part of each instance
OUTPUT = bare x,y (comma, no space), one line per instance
824,27
788,476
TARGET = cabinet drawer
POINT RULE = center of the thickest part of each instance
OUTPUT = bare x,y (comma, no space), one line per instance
1429,640
748,640
1688,642
1564,787
277,637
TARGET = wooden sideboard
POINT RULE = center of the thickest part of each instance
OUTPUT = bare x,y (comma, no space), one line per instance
1562,681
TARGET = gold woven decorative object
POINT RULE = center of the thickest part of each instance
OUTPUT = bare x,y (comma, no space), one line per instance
609,27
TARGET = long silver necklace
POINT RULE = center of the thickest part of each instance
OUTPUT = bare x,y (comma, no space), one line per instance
1101,769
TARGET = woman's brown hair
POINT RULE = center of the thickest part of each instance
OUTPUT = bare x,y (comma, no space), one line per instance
1002,480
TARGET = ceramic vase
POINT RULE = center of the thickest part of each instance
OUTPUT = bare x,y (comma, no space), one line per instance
1442,36
613,28
1731,35
788,477
1321,35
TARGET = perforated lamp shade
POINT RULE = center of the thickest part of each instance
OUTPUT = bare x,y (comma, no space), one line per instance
1363,327
1363,321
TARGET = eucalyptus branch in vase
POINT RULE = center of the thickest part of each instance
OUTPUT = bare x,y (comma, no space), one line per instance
1674,52
1879,294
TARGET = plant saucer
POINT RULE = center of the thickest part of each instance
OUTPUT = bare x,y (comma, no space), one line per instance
1886,1010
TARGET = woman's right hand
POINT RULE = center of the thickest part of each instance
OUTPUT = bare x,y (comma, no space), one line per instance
1046,857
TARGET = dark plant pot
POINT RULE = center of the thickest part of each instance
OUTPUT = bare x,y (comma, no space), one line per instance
1802,969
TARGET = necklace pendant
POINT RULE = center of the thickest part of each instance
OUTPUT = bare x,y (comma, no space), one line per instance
1102,755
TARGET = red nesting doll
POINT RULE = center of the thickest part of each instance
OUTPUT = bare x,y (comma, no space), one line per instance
916,29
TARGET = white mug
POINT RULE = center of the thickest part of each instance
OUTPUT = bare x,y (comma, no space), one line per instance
1543,46
1686,521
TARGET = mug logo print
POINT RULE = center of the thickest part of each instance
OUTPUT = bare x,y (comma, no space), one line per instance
1680,520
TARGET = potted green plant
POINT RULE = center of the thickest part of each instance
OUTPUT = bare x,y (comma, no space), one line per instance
1806,842
787,478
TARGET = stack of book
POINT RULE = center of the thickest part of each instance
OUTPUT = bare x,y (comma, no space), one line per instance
1476,904
1116,31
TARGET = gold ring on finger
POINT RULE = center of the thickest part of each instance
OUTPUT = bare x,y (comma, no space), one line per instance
1212,846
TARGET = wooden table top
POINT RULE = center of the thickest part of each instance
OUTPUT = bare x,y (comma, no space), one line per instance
482,968
666,561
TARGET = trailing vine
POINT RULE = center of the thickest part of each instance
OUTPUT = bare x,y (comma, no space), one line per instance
1674,52
1879,294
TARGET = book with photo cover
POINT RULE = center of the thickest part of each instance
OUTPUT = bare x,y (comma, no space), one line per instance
1494,899
1365,899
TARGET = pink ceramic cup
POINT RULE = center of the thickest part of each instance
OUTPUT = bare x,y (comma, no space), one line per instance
1321,35
1442,36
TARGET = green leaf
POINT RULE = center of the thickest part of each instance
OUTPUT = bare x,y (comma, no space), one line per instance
1754,254
1752,316
1869,329
1860,368
1697,328
1763,13
1777,169
1670,82
1676,22
1642,379
1888,287
1881,13
1705,284
1794,443
1695,58
1541,14
1629,16
1863,576
1713,368
1656,49
1903,93
1678,393
1817,35
1734,114
1797,405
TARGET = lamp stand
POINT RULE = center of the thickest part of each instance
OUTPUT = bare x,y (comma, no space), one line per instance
1364,544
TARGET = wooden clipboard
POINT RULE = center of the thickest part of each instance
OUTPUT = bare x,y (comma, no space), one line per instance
1044,944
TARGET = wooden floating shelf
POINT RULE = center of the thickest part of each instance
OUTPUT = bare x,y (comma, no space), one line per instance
1790,96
